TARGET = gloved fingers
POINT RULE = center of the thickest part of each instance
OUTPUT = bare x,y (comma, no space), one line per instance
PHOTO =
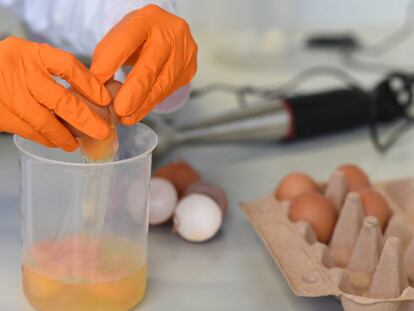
160,90
118,45
141,79
31,134
44,122
132,60
39,138
68,67
148,105
69,107
17,126
165,85
135,117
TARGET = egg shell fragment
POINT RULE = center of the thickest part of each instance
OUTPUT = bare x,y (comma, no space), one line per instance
106,149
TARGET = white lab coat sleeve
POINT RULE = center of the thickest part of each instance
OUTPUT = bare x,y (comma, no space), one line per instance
78,26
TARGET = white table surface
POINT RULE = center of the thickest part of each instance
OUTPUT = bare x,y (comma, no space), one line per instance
233,271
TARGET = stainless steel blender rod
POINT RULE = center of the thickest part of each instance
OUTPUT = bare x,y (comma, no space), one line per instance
291,118
264,121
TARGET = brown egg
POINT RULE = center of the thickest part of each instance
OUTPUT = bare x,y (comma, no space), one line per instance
100,150
355,177
295,184
181,174
213,191
375,205
316,210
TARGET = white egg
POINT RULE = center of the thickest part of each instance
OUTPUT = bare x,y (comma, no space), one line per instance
163,200
197,218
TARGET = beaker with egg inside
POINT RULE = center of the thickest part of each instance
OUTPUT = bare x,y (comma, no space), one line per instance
85,225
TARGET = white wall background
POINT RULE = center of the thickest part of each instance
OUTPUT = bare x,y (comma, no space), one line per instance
212,19
307,14
9,24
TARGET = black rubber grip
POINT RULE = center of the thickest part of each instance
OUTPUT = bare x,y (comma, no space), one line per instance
327,112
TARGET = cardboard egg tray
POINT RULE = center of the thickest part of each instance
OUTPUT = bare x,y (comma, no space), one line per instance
366,269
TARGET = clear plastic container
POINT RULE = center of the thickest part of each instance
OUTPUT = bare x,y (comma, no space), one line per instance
85,226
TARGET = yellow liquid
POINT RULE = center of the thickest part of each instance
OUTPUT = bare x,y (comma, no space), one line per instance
99,150
74,275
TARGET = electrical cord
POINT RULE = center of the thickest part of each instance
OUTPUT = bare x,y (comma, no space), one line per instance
396,38
397,89
384,145
352,58
284,90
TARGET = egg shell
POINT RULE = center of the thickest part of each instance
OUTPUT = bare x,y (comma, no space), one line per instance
316,210
180,173
197,218
106,112
295,184
211,190
99,150
356,178
375,205
163,200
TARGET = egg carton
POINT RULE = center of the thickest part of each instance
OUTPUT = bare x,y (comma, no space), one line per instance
364,268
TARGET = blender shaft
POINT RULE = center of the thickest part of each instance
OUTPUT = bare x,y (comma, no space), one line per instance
264,121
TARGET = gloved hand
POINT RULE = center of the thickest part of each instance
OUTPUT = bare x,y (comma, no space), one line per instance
31,101
162,52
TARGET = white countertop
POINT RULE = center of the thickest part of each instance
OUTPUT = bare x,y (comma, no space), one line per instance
233,271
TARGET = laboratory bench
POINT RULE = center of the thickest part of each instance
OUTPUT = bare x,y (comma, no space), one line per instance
233,271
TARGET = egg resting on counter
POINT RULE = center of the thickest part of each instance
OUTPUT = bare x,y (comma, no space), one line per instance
318,211
197,218
181,174
295,184
211,190
163,201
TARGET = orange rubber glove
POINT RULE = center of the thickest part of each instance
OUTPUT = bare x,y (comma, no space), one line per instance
162,52
31,101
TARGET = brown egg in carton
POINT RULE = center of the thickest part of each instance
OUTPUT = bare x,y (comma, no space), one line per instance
362,266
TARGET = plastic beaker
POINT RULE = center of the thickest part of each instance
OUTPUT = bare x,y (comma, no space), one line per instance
85,226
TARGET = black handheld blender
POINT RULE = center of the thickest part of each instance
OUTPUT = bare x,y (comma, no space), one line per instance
295,117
